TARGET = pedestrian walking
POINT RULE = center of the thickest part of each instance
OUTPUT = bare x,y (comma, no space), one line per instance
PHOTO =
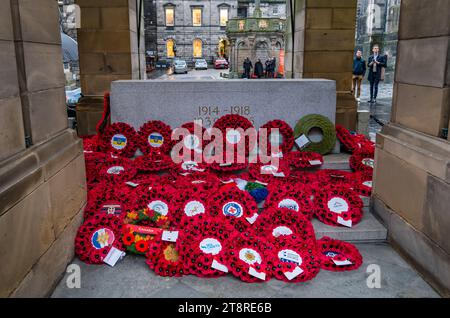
259,69
359,71
247,67
376,65
267,67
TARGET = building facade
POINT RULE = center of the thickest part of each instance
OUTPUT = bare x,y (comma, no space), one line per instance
268,8
150,24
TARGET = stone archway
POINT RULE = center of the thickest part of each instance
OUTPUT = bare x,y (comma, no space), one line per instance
262,51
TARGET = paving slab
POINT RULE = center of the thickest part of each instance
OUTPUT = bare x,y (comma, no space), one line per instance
132,278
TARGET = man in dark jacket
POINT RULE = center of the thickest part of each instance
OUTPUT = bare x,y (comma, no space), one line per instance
359,70
375,65
247,67
259,69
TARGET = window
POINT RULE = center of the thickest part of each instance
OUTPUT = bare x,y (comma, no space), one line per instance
275,10
170,16
197,17
223,14
170,48
197,48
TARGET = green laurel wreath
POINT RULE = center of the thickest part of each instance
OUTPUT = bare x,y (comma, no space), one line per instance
304,126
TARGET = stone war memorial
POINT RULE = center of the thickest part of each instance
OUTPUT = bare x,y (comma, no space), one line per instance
275,190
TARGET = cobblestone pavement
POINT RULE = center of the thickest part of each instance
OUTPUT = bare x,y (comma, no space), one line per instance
131,277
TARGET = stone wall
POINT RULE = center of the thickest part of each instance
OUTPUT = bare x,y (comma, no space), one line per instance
42,187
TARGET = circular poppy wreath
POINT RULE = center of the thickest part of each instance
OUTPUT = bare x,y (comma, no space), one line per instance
293,264
285,132
109,200
234,206
228,125
153,162
302,159
193,143
198,181
303,178
338,256
164,259
248,258
203,244
338,206
96,236
119,139
362,160
192,205
90,143
190,167
295,198
363,184
328,177
352,143
280,226
117,170
155,136
92,161
225,165
269,172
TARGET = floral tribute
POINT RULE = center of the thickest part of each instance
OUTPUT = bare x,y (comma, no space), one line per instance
284,139
155,137
295,198
164,258
137,238
269,172
338,256
117,170
119,139
303,159
153,162
363,160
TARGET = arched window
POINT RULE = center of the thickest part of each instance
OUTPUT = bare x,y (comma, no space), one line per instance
197,48
169,46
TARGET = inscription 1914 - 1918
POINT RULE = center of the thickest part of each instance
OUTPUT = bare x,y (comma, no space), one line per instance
210,114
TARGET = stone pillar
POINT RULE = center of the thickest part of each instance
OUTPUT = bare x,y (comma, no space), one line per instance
322,46
42,180
108,51
412,174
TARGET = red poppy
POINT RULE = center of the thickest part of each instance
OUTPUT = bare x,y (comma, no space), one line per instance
302,159
352,143
363,160
155,136
297,198
153,162
164,258
141,246
117,170
226,162
128,239
363,183
286,134
120,139
338,256
268,172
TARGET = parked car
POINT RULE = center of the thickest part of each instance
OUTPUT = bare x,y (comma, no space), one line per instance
180,66
200,64
220,63
72,98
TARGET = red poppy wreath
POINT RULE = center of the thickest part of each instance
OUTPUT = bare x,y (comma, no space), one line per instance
294,264
192,205
362,160
271,171
117,170
155,136
363,184
192,142
352,143
228,162
283,139
328,177
232,127
137,238
302,159
234,206
338,206
191,167
296,198
203,244
120,139
205,181
248,258
280,226
153,162
97,236
92,161
164,258
338,256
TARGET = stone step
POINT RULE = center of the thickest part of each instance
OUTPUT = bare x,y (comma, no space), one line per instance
368,230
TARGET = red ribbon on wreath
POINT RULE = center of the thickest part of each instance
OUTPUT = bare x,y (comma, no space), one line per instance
338,256
120,139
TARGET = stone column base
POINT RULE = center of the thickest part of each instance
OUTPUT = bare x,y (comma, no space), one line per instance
89,113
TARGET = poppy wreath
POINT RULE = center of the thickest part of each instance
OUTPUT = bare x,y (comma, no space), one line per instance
338,206
109,200
363,184
156,199
120,139
338,256
90,143
155,136
193,143
164,259
198,181
269,172
192,167
225,165
303,178
280,226
235,207
192,205
248,258
352,143
153,162
315,121
117,170
137,239
362,160
296,198
328,177
285,131
92,161
97,236
228,125
302,159
293,263
203,244
147,216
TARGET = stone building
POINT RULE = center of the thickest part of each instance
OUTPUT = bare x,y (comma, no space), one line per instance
193,29
268,8
377,22
150,23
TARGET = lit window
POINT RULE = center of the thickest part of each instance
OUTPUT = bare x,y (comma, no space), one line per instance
197,17
197,48
223,16
170,21
170,45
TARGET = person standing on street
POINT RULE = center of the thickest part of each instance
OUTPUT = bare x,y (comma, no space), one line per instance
247,67
375,64
267,67
259,69
359,71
